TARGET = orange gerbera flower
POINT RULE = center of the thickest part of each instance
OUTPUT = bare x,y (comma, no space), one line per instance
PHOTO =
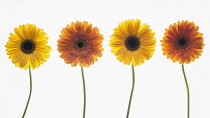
182,42
80,43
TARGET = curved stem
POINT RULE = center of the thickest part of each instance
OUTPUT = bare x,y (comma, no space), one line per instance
188,93
131,95
84,90
29,93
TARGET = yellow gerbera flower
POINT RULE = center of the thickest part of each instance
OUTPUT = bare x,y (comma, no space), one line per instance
133,42
27,47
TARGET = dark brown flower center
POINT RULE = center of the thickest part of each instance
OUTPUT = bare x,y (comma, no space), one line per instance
28,46
80,44
182,42
132,43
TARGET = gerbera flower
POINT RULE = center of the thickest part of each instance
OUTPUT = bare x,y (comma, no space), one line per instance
27,47
80,43
133,42
182,42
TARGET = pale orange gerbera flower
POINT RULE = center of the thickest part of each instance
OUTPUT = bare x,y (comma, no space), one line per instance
80,43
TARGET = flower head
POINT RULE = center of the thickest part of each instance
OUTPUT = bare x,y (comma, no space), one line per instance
80,43
182,42
133,42
27,47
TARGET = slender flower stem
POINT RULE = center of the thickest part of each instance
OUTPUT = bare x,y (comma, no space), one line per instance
29,93
83,81
188,93
131,95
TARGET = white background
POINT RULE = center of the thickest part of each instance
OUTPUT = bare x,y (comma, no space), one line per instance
57,87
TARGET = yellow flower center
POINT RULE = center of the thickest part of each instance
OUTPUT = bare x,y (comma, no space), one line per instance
28,46
132,43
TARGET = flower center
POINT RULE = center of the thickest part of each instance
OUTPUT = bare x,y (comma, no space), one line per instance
182,42
132,43
80,44
28,46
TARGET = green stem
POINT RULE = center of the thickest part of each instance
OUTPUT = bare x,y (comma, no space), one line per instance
131,95
188,93
83,81
29,93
